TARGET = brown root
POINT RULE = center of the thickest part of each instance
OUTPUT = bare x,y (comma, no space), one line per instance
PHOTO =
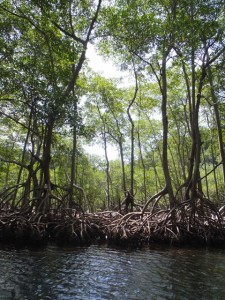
181,225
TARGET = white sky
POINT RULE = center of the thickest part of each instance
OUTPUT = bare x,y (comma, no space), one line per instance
99,151
107,69
100,65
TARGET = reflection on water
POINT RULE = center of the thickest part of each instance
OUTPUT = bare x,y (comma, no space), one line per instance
99,272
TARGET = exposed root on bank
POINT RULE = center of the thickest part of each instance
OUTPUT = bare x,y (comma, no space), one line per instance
182,225
203,224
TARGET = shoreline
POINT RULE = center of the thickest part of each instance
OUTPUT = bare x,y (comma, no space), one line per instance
134,229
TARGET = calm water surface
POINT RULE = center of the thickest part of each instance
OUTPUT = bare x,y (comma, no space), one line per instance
99,272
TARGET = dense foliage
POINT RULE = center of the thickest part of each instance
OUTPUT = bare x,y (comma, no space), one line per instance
167,125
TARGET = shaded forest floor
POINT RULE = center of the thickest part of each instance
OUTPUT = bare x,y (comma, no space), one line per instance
183,225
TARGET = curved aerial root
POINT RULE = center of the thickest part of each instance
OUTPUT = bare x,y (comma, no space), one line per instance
204,224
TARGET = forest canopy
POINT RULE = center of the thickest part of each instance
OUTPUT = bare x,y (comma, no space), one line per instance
168,125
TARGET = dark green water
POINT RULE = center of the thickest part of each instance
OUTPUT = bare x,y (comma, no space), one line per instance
99,272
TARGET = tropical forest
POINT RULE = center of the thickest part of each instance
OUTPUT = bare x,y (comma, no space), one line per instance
163,119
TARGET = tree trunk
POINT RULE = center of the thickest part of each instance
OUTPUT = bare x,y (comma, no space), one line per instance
107,170
218,121
74,150
73,164
122,165
45,184
165,163
143,166
195,182
132,140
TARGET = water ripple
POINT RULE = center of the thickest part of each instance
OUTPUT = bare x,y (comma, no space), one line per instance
99,272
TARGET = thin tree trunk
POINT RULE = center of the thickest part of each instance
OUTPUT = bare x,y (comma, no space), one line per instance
218,120
132,139
73,165
143,166
22,161
74,150
205,169
107,170
165,163
45,166
213,160
196,184
123,166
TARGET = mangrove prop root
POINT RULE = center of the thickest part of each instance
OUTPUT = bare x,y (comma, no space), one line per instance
204,225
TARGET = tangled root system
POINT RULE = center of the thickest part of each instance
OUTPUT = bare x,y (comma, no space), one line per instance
181,225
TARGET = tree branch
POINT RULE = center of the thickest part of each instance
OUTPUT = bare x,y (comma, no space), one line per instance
13,162
72,35
215,167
